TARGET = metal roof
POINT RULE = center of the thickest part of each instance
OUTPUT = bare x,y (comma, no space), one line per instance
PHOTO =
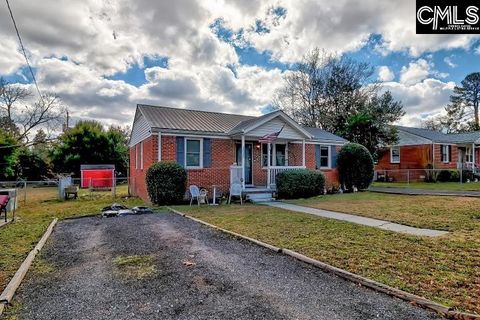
320,134
440,137
191,120
214,122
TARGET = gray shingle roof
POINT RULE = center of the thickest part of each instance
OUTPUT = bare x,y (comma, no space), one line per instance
440,137
320,134
190,120
211,122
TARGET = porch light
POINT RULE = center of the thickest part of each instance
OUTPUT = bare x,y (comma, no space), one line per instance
257,146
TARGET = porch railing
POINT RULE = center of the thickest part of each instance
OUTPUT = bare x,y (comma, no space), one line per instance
274,171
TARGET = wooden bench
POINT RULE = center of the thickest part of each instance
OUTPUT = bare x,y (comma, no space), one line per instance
3,205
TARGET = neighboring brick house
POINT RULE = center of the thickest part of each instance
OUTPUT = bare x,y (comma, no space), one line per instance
210,146
422,149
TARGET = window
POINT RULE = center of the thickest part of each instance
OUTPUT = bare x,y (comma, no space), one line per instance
445,153
324,156
278,155
468,155
193,153
395,154
265,155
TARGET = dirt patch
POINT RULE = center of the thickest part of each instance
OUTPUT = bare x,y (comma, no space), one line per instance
137,267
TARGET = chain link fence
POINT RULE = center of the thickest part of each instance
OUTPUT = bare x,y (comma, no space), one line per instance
426,175
26,192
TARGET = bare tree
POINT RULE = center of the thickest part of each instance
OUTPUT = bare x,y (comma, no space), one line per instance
337,94
11,94
22,118
323,90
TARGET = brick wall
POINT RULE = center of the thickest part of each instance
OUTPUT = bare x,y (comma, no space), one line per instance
137,176
223,156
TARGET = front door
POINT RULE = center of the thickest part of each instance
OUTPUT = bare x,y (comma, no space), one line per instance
248,161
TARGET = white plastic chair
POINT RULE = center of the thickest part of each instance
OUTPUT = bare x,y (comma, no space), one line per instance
235,190
194,194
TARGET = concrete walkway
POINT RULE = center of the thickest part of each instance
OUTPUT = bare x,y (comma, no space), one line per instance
426,192
381,224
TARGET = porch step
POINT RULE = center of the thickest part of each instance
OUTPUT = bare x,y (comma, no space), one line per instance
260,197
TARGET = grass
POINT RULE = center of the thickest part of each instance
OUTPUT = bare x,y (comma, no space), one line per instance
136,267
432,212
32,219
444,269
454,186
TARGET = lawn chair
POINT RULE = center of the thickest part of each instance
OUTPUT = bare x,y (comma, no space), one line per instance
194,194
3,204
236,191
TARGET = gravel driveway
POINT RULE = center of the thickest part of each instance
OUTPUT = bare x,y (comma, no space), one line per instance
192,272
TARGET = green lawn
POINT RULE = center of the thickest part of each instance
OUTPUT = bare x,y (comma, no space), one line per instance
433,212
471,186
20,237
445,269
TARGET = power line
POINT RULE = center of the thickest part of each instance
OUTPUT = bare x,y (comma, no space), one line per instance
23,49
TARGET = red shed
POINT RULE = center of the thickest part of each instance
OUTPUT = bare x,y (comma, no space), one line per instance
97,175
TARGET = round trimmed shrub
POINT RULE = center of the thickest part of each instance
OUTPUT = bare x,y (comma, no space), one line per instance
166,183
355,166
294,184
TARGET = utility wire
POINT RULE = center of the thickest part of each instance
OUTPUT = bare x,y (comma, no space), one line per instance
23,50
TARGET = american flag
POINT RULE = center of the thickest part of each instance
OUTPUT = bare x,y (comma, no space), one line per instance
269,138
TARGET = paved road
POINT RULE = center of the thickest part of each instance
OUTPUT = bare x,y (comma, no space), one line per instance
230,279
426,192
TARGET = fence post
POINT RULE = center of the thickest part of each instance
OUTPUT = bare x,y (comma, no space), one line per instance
408,177
25,195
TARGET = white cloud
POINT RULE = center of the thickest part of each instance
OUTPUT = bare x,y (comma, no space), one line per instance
101,38
385,74
415,72
449,62
422,99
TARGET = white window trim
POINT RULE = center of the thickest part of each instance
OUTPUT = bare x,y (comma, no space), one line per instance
391,154
201,153
446,159
136,156
329,157
141,155
159,156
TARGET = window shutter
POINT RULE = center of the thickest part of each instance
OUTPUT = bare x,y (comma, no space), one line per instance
181,151
441,153
333,150
317,156
449,153
207,153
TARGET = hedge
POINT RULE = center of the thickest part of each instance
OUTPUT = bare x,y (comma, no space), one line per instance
166,183
294,184
355,166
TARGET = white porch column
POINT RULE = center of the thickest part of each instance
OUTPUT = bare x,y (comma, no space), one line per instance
473,156
303,152
243,161
268,164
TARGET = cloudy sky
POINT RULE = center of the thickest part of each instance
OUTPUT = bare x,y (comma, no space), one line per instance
104,57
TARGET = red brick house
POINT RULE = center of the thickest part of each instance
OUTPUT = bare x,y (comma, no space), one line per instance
210,146
422,148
